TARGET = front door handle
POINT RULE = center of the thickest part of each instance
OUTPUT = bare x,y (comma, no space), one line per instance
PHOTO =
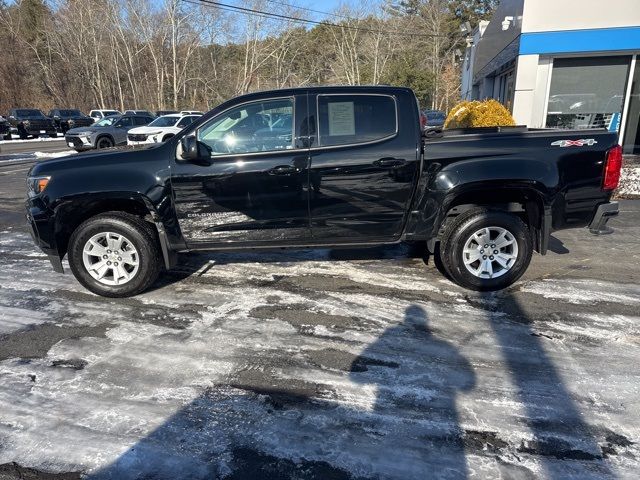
284,170
388,162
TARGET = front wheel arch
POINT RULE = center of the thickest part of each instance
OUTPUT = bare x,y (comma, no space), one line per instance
143,252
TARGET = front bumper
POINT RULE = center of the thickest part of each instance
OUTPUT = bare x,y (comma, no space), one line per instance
41,227
144,139
41,131
79,143
604,212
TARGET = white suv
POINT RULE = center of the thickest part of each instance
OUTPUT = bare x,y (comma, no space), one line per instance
160,130
100,114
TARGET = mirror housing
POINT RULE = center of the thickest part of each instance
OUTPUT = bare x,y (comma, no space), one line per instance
189,146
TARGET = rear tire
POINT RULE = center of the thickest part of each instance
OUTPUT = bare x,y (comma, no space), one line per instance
486,250
115,255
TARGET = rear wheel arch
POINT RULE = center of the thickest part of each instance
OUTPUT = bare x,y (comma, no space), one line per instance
525,202
486,249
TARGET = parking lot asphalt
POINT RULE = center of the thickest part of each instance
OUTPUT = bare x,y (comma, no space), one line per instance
322,364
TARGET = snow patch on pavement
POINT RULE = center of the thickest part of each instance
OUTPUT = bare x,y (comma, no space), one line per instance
629,182
584,291
54,154
17,139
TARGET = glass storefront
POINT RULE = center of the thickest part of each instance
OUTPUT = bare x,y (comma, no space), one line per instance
631,141
587,92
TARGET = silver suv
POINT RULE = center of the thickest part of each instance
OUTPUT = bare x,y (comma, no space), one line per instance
105,133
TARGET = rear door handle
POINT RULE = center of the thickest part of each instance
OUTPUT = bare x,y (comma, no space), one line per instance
389,162
284,170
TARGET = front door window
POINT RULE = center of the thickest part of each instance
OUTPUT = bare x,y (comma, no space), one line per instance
265,126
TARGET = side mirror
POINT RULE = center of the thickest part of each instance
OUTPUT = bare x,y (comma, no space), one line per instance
189,146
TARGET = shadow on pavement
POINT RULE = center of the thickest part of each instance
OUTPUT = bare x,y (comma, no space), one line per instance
559,430
198,263
259,426
557,246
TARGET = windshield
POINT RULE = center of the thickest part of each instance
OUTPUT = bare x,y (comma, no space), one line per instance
435,116
29,113
107,121
70,113
164,122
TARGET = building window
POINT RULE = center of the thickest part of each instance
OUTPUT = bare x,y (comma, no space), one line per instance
587,92
632,131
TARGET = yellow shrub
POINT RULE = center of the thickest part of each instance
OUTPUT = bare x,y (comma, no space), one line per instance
488,113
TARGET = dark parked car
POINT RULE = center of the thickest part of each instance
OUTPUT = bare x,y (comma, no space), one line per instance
5,128
139,112
29,121
434,121
64,119
105,133
161,113
342,166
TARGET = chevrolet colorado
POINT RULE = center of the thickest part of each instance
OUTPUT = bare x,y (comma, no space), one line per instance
325,166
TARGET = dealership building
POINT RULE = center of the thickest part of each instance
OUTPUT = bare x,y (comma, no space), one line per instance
561,64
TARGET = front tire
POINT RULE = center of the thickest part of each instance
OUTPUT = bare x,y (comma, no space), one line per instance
486,250
104,142
115,255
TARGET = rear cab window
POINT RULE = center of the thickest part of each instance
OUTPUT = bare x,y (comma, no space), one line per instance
354,119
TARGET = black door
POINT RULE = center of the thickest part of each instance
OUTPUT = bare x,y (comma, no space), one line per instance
253,186
364,163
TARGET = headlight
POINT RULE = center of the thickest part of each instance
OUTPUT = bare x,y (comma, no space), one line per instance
84,134
36,185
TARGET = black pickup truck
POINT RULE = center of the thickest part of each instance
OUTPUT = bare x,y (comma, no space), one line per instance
325,166
30,121
65,119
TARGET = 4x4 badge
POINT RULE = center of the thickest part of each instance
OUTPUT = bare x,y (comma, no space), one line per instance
575,143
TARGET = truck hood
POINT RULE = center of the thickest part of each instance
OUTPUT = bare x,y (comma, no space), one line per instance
92,158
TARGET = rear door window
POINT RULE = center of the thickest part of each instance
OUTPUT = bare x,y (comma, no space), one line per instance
353,119
141,120
124,122
185,121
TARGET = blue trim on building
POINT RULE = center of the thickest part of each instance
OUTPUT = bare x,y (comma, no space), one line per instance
572,41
